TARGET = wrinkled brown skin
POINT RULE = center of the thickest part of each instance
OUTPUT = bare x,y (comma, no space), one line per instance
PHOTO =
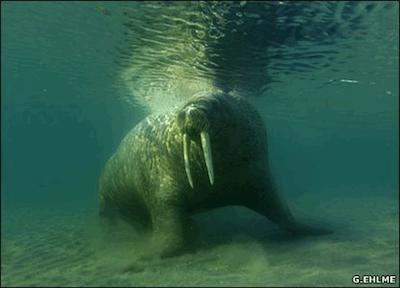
145,181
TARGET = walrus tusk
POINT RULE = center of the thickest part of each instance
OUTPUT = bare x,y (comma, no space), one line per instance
186,151
205,143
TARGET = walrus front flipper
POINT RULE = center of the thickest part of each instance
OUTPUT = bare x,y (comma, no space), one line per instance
168,237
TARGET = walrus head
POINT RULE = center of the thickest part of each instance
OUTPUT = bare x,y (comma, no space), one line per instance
194,120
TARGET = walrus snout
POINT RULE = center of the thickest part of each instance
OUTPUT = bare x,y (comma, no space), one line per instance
192,120
194,124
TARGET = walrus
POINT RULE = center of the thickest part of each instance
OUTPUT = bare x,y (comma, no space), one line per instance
208,153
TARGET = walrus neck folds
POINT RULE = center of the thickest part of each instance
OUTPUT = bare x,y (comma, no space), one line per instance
194,124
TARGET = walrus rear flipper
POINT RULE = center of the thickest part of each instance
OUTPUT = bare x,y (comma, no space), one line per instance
276,211
272,206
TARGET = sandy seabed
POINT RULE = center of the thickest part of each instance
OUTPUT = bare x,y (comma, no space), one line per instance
45,246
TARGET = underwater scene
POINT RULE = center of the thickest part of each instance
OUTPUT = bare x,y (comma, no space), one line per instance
134,144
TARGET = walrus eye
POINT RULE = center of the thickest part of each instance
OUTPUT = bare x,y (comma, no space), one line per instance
205,144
